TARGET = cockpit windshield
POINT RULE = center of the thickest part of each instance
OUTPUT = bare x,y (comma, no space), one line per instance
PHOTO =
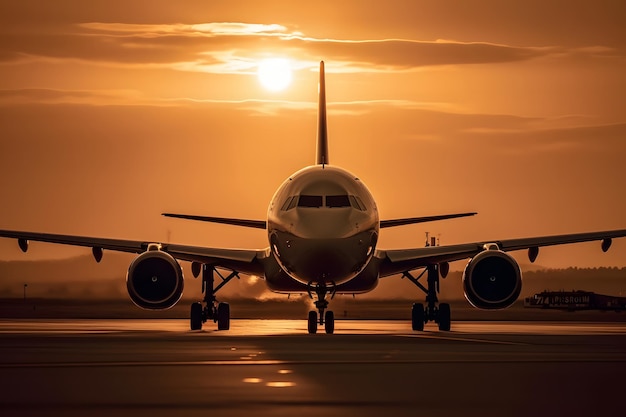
317,201
310,201
337,201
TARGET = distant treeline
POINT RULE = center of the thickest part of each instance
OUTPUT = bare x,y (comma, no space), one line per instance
579,273
81,277
602,280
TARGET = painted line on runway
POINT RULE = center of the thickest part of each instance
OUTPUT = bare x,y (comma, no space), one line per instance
463,339
135,364
490,360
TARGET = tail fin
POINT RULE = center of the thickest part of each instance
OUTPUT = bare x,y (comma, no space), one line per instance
322,133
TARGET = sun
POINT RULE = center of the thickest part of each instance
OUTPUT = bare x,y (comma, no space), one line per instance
274,73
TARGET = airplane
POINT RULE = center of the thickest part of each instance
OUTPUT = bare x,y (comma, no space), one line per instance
322,227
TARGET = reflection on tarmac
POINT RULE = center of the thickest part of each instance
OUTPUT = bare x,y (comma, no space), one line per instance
273,367
297,327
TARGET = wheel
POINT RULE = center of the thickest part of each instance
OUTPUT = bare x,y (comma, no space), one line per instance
312,322
196,316
329,322
417,316
223,316
444,317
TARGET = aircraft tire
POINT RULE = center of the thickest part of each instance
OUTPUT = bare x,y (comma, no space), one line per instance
417,317
223,316
195,319
312,322
444,317
329,322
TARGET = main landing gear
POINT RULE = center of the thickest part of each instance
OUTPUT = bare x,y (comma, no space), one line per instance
434,311
326,317
212,310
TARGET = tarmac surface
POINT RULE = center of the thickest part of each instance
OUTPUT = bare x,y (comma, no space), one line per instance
272,367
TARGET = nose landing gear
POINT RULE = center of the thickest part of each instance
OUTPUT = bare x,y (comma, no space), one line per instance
326,317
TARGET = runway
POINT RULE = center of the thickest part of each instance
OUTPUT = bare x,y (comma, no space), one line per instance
272,367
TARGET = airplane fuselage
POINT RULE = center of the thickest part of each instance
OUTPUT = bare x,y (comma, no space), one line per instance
323,226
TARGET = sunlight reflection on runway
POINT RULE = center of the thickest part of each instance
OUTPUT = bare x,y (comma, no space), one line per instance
290,327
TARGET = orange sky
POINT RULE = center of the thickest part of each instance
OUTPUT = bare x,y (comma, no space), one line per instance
113,112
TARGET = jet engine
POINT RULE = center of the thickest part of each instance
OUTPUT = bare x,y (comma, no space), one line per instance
492,280
155,280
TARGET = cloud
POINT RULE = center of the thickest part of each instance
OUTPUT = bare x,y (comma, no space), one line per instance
195,30
236,47
398,53
251,106
41,96
402,119
52,96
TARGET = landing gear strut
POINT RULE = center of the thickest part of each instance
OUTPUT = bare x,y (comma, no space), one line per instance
434,311
212,310
326,317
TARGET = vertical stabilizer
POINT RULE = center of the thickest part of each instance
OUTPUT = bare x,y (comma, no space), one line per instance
322,133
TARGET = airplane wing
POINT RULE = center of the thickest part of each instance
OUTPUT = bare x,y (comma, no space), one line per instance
242,260
425,219
256,224
260,224
396,261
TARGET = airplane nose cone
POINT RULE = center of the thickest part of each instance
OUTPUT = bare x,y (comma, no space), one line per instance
330,261
324,263
326,224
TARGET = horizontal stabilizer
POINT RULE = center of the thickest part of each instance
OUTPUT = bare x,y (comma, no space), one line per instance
425,219
256,224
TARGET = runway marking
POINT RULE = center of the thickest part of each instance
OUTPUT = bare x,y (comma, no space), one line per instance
252,328
491,359
280,384
147,363
252,380
463,339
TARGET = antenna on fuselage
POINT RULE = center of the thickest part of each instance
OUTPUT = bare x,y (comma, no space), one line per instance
322,132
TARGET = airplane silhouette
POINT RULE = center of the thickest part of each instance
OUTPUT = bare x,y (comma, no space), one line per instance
322,227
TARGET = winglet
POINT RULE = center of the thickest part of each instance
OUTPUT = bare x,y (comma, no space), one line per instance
322,132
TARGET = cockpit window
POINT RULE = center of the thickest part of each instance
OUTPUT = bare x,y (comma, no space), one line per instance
356,202
290,203
337,201
310,201
285,206
361,204
317,201
293,202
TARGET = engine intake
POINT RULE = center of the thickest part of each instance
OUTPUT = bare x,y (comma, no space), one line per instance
155,280
492,280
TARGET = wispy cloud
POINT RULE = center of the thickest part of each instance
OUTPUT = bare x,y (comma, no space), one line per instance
537,136
250,107
194,30
236,47
403,119
53,96
261,106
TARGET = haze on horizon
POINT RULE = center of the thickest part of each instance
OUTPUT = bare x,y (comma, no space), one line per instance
111,113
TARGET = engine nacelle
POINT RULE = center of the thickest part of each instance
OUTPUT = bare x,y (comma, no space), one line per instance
492,280
155,280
